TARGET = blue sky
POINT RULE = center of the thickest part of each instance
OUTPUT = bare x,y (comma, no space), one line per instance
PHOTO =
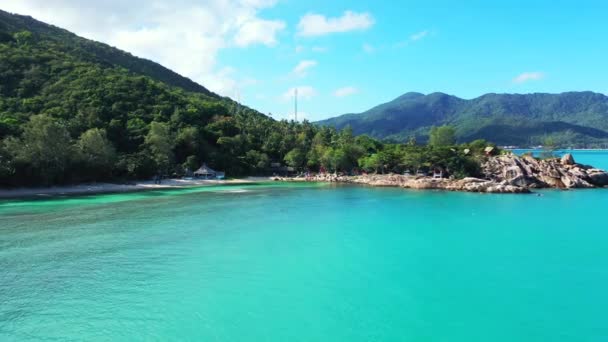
348,56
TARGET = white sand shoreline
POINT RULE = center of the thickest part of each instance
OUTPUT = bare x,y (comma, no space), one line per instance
104,188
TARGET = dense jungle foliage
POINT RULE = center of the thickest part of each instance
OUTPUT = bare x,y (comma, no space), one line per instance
73,110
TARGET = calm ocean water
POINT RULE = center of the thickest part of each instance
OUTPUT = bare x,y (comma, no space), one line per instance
284,262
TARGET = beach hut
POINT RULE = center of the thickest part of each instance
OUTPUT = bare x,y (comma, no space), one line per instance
205,172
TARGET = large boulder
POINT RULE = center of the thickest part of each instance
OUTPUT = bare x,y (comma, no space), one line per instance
529,172
575,182
568,159
523,181
598,177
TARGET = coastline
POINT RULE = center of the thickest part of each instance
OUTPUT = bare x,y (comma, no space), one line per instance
469,184
499,174
503,174
108,188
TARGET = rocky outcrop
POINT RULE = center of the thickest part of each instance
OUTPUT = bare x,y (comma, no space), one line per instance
530,172
502,174
568,159
418,183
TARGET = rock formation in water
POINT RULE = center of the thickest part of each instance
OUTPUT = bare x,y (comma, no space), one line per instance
417,182
502,174
529,172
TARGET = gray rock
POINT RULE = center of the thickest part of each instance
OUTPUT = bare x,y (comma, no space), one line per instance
529,172
568,159
598,177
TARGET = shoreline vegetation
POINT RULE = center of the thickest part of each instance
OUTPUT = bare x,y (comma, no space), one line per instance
73,111
502,174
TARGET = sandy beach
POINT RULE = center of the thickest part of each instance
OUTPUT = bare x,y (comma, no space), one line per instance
101,188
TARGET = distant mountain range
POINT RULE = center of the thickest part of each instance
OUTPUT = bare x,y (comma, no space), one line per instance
572,118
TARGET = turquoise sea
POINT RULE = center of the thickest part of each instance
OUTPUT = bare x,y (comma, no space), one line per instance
306,262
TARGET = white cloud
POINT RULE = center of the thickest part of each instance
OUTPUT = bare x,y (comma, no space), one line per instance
528,76
346,91
368,48
419,35
259,31
300,49
317,25
319,49
183,35
301,70
304,93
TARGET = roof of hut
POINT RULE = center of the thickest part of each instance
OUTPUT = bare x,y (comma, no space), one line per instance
205,170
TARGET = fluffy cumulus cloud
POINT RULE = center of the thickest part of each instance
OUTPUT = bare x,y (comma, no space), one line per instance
301,70
259,31
304,93
318,25
529,76
183,35
346,91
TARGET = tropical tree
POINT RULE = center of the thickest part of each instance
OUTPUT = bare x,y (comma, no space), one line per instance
45,148
296,158
257,160
371,163
97,153
549,147
442,136
23,37
7,169
160,145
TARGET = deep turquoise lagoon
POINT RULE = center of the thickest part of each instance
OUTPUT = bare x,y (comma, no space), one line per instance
284,262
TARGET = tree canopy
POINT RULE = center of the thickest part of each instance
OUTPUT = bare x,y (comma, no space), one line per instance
70,114
442,136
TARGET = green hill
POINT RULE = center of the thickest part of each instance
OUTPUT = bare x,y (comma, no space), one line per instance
89,51
574,118
74,110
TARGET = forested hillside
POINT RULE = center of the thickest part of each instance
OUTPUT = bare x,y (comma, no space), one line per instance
95,52
570,119
73,110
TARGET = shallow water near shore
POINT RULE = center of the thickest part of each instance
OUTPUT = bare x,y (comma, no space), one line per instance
305,262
